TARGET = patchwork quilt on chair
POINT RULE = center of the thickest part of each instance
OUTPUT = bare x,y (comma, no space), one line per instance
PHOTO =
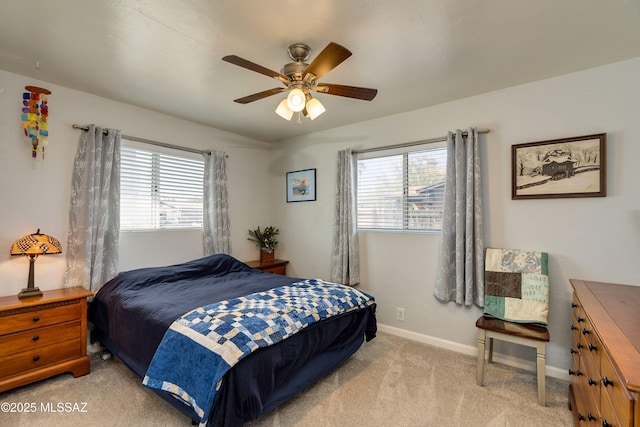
516,285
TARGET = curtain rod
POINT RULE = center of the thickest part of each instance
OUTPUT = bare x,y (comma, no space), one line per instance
150,142
411,144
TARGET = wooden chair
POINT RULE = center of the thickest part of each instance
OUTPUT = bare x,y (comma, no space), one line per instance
527,334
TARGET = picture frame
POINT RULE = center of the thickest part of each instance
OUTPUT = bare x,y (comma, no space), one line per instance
301,186
558,168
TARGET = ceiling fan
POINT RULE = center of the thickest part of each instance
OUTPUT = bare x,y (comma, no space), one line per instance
300,78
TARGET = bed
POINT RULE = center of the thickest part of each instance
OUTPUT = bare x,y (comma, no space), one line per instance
151,318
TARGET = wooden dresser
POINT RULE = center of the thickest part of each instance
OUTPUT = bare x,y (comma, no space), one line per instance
605,372
278,266
43,336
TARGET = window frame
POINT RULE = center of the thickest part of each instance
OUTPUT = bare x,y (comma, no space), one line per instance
405,152
156,152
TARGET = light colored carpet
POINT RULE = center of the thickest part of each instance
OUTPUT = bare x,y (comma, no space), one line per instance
390,381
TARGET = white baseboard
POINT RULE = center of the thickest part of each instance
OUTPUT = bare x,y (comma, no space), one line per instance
551,371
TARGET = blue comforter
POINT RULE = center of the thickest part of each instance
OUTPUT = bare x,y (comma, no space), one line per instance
132,312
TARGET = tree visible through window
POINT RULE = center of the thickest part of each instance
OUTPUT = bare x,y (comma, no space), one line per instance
402,191
160,189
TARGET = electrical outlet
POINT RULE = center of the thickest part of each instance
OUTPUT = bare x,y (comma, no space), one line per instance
400,313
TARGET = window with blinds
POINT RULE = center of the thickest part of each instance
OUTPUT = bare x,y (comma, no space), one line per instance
160,188
402,190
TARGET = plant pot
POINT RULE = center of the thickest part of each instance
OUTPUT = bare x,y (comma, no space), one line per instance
267,256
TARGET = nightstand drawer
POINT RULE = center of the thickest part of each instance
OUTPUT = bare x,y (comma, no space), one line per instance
41,337
39,317
282,269
40,357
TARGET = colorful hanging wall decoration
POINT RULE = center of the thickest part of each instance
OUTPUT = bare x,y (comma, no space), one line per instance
35,114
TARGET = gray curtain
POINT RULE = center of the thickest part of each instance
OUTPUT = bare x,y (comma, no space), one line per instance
461,271
345,267
94,214
217,231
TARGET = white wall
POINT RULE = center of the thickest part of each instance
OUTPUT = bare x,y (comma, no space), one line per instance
588,238
34,193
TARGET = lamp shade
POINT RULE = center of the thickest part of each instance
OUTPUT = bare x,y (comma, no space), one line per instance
283,111
36,244
33,245
315,108
296,100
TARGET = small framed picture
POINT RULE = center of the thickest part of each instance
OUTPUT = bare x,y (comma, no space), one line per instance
301,186
568,167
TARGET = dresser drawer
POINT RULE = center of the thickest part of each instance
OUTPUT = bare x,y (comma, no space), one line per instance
41,337
40,357
39,317
609,417
591,344
618,396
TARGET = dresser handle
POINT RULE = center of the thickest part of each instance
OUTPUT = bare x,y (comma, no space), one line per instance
592,347
607,382
36,318
574,305
579,345
591,381
36,358
36,338
606,423
573,328
580,319
574,351
580,417
576,373
585,331
590,417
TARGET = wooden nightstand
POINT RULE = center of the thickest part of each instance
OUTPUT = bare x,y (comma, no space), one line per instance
43,336
278,266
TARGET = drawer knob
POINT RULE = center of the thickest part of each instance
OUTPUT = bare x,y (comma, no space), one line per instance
576,373
580,416
36,338
579,345
592,347
607,382
574,351
591,381
606,423
585,331
580,319
574,305
590,417
573,327
36,358
36,318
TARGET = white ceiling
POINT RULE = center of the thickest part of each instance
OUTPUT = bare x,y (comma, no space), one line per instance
165,55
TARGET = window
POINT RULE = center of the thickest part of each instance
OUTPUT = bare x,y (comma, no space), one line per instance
402,190
160,188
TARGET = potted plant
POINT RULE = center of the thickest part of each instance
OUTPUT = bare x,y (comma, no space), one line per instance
265,240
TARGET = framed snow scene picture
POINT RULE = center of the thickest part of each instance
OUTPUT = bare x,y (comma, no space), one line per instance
569,167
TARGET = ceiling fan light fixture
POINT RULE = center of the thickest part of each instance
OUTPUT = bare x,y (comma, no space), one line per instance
283,110
296,100
315,108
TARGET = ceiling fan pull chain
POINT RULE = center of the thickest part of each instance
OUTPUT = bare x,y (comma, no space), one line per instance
299,121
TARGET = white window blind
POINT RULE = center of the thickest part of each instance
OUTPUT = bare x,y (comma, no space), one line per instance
402,190
160,188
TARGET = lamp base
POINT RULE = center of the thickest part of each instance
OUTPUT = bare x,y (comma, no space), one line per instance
29,292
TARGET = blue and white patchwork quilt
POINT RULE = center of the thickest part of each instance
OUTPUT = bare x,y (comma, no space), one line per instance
202,345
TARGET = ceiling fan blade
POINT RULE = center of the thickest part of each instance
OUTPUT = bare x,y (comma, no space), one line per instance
257,96
241,62
363,93
330,57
